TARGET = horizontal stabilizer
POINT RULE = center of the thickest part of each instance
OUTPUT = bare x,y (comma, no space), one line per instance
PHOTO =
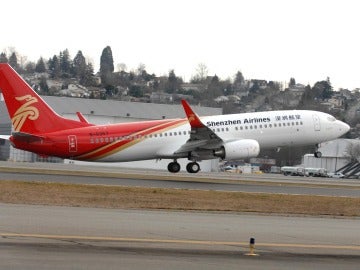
5,137
26,137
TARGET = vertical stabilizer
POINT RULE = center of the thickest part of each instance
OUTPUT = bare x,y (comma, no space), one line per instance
27,110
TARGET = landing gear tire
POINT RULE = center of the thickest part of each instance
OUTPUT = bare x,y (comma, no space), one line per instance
317,154
174,167
193,167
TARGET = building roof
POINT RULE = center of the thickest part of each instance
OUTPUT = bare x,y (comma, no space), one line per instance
66,105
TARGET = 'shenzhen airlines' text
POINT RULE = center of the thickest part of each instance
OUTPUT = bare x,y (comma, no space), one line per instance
237,122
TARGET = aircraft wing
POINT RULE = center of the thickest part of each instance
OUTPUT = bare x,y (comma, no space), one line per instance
201,136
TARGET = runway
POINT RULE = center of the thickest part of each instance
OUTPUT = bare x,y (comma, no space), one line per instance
267,183
43,237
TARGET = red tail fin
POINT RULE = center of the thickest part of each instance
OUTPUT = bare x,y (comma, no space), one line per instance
27,110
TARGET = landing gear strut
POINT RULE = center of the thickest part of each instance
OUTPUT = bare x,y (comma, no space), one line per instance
317,153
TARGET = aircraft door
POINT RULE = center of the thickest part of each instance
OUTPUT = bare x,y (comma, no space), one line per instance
316,120
72,143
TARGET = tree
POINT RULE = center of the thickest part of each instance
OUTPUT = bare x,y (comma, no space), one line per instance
172,83
30,67
239,82
43,85
3,58
353,151
88,78
40,66
79,64
214,89
54,67
121,67
106,65
13,61
292,82
201,73
136,91
65,63
323,89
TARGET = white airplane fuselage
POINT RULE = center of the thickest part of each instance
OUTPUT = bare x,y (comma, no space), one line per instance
271,129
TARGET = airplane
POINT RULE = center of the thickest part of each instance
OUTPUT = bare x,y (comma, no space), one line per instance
38,129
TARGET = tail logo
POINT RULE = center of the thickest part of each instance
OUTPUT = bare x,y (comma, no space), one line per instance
191,117
25,112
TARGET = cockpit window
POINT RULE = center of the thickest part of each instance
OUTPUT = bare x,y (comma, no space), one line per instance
331,118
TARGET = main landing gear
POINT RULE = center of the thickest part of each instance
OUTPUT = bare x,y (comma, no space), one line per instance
317,153
192,167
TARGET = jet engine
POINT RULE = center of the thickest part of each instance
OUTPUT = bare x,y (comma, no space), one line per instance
239,149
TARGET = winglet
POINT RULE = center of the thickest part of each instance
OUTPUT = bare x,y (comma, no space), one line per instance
193,118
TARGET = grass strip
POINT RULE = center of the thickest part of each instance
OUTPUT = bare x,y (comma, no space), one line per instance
173,199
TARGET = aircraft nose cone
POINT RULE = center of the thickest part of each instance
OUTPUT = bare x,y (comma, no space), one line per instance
344,128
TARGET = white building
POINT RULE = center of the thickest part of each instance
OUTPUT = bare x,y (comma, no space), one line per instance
334,155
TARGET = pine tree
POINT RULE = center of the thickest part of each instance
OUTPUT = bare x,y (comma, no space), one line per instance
88,79
40,66
54,67
79,63
3,58
172,84
106,65
13,61
65,63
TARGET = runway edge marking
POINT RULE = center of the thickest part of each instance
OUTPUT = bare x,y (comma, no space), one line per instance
172,241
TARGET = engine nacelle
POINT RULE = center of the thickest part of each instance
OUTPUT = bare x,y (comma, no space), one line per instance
245,148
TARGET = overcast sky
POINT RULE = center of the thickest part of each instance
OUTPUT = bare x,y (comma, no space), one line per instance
309,40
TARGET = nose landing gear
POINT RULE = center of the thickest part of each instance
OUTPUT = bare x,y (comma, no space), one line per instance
317,153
